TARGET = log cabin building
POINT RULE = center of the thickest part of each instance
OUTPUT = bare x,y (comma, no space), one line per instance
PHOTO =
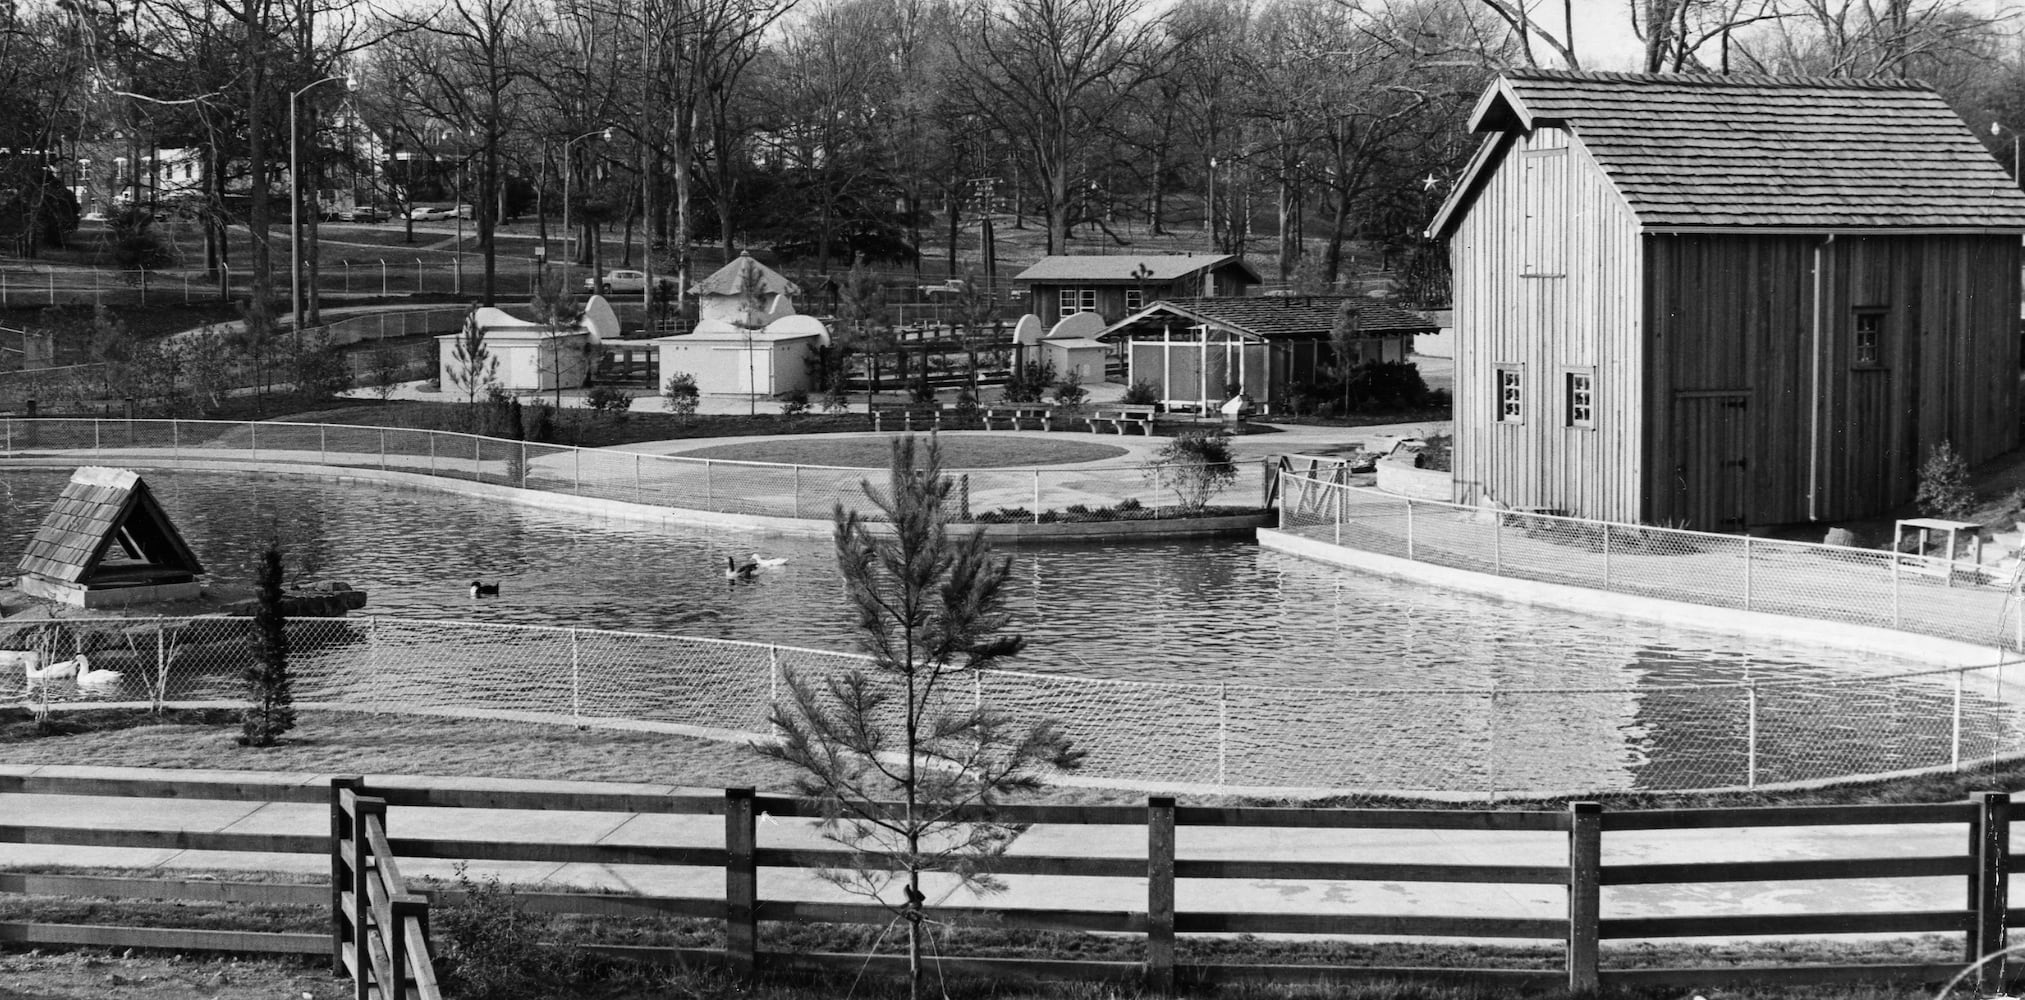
1115,286
1726,301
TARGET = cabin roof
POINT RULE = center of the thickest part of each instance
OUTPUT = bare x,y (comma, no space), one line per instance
98,507
1284,317
1121,269
1691,152
743,276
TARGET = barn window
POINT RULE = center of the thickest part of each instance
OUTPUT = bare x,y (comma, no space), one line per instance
1075,300
1868,350
1581,399
1135,299
1511,400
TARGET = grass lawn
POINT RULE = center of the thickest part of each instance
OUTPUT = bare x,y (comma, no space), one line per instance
966,451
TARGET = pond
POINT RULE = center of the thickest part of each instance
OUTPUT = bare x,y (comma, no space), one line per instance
1221,612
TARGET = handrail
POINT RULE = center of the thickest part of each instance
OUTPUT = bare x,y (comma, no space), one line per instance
382,937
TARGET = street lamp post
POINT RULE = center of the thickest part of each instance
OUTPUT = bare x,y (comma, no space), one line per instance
295,209
570,235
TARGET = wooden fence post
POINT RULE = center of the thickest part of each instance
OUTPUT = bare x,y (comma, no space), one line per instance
1992,886
340,827
741,884
1160,895
1585,861
362,899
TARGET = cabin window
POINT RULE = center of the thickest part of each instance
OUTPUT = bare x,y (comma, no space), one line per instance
1135,300
1543,176
1581,399
1868,351
1075,300
1511,398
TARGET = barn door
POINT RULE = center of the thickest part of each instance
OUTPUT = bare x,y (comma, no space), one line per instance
1711,470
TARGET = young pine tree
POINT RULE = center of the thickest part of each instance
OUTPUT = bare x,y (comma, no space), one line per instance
903,769
270,709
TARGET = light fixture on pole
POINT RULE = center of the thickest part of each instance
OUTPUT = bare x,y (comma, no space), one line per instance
570,235
1998,129
295,207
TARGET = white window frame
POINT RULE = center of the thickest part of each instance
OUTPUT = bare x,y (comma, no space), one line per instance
1135,299
1509,405
1582,415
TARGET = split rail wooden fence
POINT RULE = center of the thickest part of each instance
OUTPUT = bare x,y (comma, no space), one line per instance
368,898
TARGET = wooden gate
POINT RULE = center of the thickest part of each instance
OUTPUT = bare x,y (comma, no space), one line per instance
1712,462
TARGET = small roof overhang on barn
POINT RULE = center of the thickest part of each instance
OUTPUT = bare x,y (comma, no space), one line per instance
1758,154
1273,318
746,276
1127,269
107,530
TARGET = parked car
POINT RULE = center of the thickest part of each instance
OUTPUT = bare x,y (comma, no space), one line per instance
362,214
430,213
618,281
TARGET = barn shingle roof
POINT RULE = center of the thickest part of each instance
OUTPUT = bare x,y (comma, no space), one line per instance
98,508
1286,317
1121,268
1812,153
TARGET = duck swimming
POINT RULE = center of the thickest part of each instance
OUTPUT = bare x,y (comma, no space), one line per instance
88,677
735,571
58,671
479,590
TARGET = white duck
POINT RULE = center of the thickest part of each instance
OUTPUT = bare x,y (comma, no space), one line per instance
87,677
58,671
764,563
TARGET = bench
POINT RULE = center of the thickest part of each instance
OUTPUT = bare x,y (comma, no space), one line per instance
1042,416
1122,418
910,415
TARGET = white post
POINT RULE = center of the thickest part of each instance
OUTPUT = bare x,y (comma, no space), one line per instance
322,436
1037,496
1498,548
477,459
176,441
1222,732
1342,500
383,285
1606,553
253,438
1955,754
1747,572
432,453
1409,527
639,491
418,274
709,484
576,681
577,471
798,491
94,435
383,449
1894,584
161,666
1751,736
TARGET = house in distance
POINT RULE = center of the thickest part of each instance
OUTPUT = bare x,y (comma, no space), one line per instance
1116,285
1726,301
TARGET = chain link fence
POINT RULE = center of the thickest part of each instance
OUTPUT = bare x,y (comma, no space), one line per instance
1908,592
1475,742
1026,495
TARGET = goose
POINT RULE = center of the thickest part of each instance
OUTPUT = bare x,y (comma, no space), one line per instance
58,671
97,678
734,571
764,563
479,590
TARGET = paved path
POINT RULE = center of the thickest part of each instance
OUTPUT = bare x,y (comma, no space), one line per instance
1037,892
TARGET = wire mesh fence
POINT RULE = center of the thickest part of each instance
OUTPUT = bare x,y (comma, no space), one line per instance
1024,495
1477,742
1909,592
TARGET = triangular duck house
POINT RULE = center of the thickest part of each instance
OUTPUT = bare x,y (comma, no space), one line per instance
108,542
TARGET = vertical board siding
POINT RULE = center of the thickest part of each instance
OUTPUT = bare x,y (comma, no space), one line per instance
1583,317
1739,314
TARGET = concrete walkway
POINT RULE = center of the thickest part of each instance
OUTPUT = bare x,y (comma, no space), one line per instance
1024,892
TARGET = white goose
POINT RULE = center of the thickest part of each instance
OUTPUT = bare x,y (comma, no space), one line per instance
764,563
58,671
87,677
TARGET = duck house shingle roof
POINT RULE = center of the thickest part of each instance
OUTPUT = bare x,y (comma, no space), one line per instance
98,508
1810,153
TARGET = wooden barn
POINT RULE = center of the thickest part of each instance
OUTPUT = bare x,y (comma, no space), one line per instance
1726,301
1116,285
1191,350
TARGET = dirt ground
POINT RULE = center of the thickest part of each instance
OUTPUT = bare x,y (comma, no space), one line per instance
37,975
